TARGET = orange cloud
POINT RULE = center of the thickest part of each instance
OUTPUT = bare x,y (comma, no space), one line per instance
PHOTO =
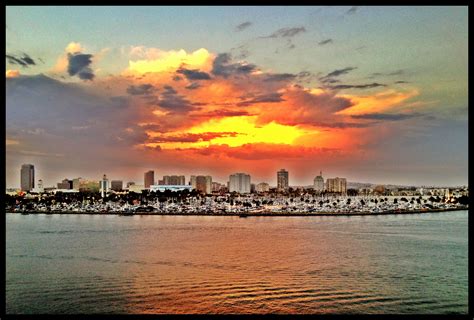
12,73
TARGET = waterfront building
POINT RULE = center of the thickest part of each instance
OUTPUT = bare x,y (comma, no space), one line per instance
319,182
216,187
239,182
39,188
174,180
86,185
262,187
27,179
137,188
66,184
173,188
338,185
282,180
149,178
116,185
104,186
130,183
76,183
203,184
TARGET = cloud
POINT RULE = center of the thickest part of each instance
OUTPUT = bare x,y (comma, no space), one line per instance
156,60
388,74
358,86
193,86
142,89
191,137
78,64
323,42
338,72
23,61
12,73
280,77
352,10
262,98
220,113
386,116
222,66
194,74
243,25
286,32
261,151
171,100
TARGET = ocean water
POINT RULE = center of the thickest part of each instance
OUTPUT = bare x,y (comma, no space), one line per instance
203,264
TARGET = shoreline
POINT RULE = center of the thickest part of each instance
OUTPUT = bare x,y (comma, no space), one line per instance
249,214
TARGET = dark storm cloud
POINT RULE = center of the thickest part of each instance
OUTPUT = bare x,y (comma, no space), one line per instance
357,86
222,66
24,60
322,43
386,116
243,26
286,32
143,89
79,64
194,74
262,98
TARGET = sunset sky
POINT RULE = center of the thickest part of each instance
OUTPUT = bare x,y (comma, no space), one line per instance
373,94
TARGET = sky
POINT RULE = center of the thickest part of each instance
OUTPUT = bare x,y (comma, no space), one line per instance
372,94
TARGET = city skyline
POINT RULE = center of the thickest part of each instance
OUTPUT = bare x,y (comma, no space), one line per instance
372,94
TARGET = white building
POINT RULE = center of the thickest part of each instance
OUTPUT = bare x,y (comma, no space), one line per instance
239,182
173,188
104,186
262,187
319,182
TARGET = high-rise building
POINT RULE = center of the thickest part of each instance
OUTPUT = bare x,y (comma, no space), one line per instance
239,182
282,180
319,182
149,178
116,185
27,177
104,185
201,183
174,180
262,187
338,185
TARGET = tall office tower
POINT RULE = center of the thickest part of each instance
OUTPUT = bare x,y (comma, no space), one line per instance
239,182
282,180
27,177
149,178
104,185
192,182
338,185
319,182
174,180
116,185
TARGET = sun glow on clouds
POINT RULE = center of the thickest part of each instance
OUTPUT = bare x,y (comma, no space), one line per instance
380,102
246,132
161,61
